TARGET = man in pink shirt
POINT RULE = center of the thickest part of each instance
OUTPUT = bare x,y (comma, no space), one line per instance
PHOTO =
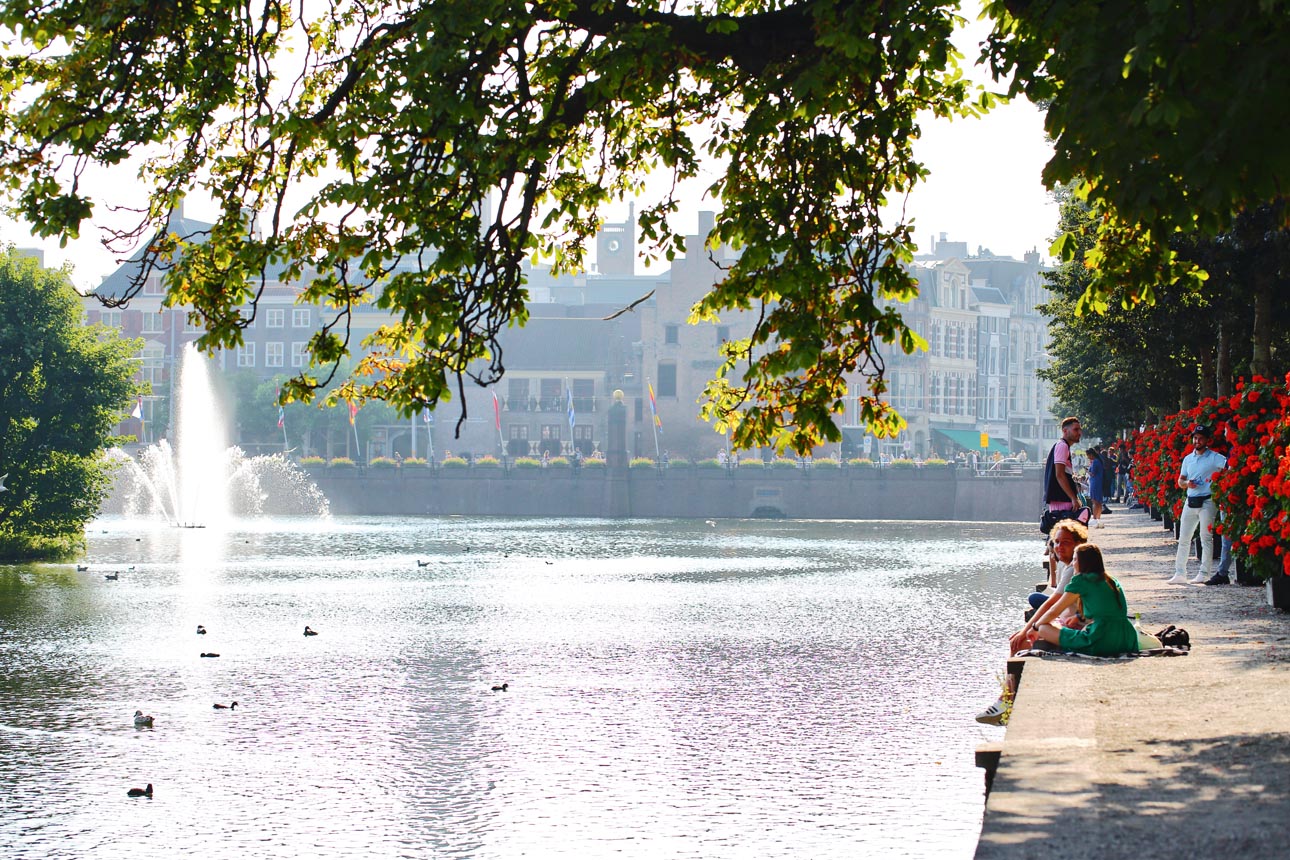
1059,484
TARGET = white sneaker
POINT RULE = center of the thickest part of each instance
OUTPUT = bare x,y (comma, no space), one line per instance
1177,579
1199,579
993,715
1097,524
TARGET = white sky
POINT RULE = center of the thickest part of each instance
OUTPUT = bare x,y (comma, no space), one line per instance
984,188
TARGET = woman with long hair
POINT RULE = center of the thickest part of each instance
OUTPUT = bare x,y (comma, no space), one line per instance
1101,600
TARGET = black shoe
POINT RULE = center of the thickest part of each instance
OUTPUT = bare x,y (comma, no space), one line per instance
1107,510
1218,579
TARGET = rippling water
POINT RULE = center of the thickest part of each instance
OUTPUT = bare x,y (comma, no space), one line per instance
677,689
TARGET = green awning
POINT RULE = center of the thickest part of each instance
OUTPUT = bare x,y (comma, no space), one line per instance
971,440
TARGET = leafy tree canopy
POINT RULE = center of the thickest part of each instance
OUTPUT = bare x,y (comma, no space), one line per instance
1169,116
63,387
449,140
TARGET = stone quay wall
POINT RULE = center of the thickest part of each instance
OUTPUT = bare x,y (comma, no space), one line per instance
687,492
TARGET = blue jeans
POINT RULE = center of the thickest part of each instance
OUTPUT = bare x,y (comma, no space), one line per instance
1037,599
1225,558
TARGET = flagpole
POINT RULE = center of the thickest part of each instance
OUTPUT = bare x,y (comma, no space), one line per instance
653,414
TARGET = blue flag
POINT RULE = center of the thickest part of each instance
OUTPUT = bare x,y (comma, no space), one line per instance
569,391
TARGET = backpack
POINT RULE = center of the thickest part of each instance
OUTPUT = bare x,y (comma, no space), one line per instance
1174,637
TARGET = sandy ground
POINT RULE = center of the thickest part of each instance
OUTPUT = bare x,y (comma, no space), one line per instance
1163,757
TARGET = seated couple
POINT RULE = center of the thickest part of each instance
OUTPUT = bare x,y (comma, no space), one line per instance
1088,615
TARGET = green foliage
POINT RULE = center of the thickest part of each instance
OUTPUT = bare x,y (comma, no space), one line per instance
641,463
63,388
382,463
312,461
341,463
439,169
860,463
902,463
825,463
527,463
1169,118
454,463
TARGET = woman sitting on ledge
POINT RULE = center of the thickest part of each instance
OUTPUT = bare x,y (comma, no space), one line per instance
1101,601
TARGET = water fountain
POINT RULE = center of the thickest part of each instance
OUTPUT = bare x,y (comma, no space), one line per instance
202,481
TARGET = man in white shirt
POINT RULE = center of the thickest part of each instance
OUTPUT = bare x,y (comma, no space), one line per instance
1197,471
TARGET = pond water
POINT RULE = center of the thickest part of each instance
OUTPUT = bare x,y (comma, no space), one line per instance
675,688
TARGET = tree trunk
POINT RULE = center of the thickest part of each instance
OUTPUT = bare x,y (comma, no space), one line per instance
1261,361
1208,386
1223,369
1186,396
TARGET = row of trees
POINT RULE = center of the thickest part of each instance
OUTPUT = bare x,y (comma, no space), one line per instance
1133,364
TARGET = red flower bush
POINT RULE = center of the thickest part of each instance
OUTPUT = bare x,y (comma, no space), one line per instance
1254,490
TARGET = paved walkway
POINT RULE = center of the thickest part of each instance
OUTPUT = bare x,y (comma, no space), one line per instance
1160,757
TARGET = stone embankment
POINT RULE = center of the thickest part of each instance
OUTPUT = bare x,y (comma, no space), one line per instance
1158,757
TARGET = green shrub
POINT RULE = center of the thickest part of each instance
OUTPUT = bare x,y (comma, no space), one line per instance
860,463
783,463
641,463
936,461
415,461
382,463
710,463
527,463
594,463
678,463
312,461
826,463
902,463
341,463
557,462
488,462
454,462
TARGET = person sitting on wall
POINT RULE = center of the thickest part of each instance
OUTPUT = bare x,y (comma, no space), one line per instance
1096,597
1067,536
1100,599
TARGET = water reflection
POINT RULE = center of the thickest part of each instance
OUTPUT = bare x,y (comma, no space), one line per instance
780,689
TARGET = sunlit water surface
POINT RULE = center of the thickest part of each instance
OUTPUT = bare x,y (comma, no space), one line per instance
677,689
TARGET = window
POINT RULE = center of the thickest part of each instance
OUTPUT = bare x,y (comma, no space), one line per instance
552,394
667,380
152,323
519,431
273,353
582,432
300,317
110,318
517,397
275,317
671,334
550,431
248,314
152,366
298,353
246,355
152,286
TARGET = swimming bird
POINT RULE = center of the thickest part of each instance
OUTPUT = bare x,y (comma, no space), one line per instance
131,567
711,523
81,568
142,719
114,575
201,631
141,792
217,706
501,688
421,563
209,654
550,562
309,631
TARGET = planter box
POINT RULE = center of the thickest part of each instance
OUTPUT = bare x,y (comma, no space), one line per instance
1278,586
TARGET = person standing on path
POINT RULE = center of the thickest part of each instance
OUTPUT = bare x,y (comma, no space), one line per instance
1059,484
1198,469
1096,471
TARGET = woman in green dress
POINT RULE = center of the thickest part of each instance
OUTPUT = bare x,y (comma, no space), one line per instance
1101,600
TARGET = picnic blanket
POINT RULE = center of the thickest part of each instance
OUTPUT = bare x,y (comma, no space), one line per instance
1166,651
